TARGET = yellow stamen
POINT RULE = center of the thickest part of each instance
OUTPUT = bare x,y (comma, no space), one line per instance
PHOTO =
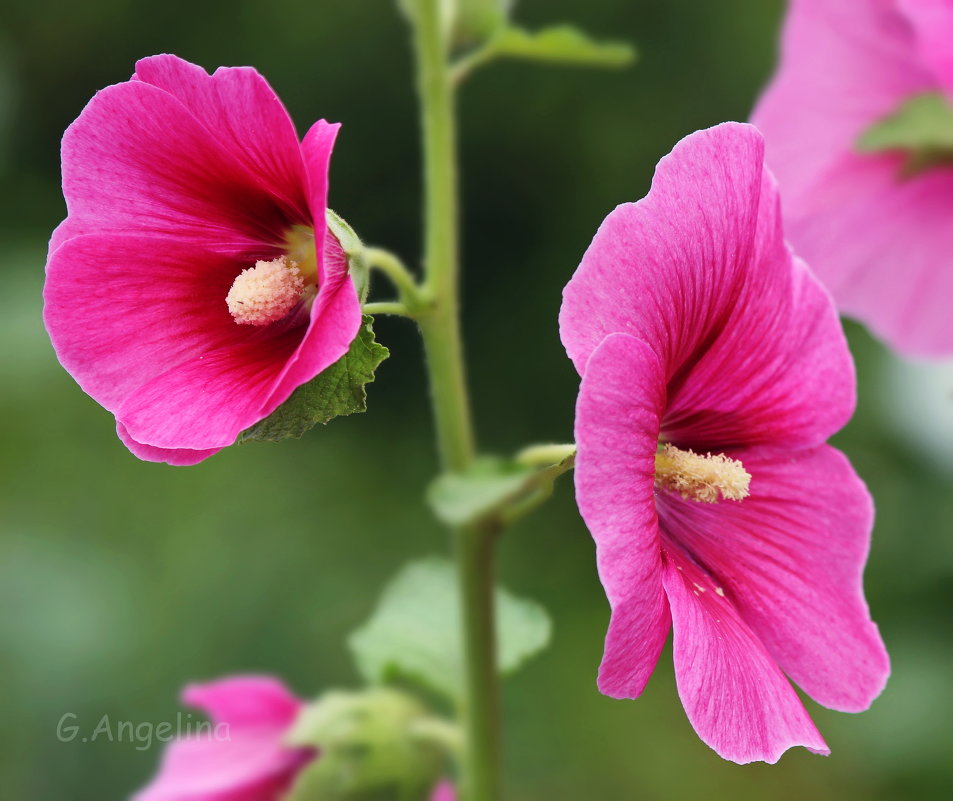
700,478
299,245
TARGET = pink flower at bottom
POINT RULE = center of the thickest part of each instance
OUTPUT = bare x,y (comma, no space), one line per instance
714,367
878,236
241,756
194,285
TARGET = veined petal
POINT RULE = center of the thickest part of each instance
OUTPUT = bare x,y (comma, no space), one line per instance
736,697
242,111
698,269
617,425
245,701
123,309
669,268
790,559
779,370
208,401
136,159
843,66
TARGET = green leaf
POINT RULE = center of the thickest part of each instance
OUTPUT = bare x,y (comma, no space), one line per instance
491,486
414,634
370,746
922,124
561,44
460,498
337,391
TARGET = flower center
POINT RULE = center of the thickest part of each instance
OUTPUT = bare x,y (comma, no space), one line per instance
266,292
700,478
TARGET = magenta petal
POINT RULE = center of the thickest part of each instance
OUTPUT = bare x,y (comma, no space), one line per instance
699,271
121,310
250,766
883,247
779,371
242,758
843,67
735,695
336,313
178,457
444,792
242,111
122,171
617,425
933,22
208,401
790,558
316,150
668,268
245,701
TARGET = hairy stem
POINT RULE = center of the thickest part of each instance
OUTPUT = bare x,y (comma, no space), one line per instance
440,326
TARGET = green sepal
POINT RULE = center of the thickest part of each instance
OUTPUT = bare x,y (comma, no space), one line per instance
414,633
922,127
339,390
491,487
374,745
561,44
353,248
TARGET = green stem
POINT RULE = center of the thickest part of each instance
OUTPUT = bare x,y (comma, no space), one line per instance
387,307
402,279
440,326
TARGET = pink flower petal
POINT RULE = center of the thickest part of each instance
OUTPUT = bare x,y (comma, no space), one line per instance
779,370
933,22
316,150
879,241
698,270
883,247
617,426
242,758
790,559
178,457
241,110
122,171
252,766
843,66
122,310
733,692
336,313
444,792
208,401
245,701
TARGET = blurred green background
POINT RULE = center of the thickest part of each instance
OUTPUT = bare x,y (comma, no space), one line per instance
120,581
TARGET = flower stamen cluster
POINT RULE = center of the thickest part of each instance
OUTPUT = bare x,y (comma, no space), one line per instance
265,293
698,477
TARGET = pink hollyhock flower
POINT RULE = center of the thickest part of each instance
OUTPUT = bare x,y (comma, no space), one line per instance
194,285
695,328
242,758
877,234
241,755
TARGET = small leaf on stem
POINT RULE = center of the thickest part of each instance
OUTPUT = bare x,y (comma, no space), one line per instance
561,44
414,634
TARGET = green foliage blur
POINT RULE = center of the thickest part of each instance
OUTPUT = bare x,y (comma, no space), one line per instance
120,581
